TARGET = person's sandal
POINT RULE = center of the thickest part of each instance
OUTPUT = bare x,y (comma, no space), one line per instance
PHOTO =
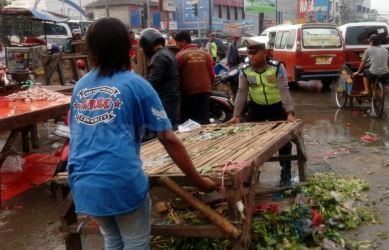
365,92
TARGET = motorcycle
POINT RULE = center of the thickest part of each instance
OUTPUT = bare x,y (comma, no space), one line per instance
221,103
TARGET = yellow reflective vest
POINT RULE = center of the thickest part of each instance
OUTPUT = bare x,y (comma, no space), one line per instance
263,88
213,49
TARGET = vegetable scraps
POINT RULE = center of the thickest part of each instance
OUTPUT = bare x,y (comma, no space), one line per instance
322,211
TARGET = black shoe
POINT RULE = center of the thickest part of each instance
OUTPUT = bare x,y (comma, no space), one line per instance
285,183
286,178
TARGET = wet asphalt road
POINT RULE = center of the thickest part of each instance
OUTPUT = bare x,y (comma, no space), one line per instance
332,140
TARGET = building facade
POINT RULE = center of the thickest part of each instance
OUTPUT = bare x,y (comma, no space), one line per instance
347,11
227,15
131,12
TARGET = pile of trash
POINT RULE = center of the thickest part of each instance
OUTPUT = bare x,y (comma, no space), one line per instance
322,211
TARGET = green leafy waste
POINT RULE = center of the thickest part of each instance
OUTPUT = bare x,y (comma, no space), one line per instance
219,132
342,201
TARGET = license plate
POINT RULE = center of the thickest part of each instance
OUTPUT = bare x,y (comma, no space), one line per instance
323,60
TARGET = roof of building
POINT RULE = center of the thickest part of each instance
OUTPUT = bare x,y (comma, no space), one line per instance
101,3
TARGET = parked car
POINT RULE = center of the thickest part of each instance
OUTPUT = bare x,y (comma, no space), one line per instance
309,51
221,46
58,33
356,35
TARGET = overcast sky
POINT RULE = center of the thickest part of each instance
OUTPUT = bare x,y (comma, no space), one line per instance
380,5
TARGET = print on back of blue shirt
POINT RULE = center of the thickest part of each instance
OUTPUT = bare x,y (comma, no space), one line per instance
108,116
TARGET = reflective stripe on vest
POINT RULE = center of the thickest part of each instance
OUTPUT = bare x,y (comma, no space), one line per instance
263,88
213,49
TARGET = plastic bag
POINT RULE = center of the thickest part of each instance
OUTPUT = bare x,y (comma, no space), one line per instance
312,85
13,164
188,126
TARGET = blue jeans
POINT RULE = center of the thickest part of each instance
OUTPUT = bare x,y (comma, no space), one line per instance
130,231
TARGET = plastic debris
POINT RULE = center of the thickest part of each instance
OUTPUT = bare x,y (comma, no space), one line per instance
188,126
368,137
13,164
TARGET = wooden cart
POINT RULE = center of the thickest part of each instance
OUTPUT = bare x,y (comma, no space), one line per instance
233,156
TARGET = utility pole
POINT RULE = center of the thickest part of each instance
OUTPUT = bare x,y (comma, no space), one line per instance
148,13
80,13
260,23
276,12
107,7
197,11
210,16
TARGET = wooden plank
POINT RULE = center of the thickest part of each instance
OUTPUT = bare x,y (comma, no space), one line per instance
67,56
229,143
27,114
302,157
237,149
198,231
232,146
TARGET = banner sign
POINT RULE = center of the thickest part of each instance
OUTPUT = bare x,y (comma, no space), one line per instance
305,8
172,25
260,6
169,5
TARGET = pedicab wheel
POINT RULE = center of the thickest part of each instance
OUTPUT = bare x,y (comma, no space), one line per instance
377,99
343,87
341,94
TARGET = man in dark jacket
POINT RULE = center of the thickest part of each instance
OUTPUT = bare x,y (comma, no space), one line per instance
163,71
233,59
196,76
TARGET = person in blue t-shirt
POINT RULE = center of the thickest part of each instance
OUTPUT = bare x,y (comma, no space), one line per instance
110,109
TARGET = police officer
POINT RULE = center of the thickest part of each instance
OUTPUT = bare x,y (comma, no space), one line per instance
265,83
211,46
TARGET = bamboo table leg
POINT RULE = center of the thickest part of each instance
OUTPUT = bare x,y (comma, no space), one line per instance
302,157
34,136
244,241
67,217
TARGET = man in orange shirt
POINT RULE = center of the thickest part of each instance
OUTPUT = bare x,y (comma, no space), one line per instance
196,77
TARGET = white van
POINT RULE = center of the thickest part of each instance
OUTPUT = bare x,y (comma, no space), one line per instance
58,33
356,35
309,51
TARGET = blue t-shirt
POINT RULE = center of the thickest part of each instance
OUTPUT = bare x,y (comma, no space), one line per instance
107,119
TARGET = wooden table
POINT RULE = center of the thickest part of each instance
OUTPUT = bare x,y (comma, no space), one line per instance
21,117
246,146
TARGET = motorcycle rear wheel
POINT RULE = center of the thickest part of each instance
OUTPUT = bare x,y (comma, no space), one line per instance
219,113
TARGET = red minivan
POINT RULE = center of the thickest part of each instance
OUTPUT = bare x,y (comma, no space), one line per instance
309,51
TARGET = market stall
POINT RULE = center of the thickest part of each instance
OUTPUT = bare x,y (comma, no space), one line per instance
26,52
230,155
22,116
